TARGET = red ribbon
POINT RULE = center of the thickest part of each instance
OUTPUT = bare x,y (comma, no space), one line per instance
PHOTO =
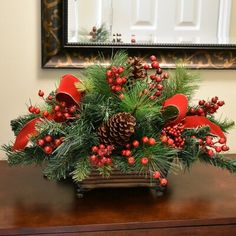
180,101
66,92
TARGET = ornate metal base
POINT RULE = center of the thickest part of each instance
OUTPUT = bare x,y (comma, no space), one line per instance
118,180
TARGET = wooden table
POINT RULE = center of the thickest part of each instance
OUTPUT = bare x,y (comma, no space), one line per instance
202,202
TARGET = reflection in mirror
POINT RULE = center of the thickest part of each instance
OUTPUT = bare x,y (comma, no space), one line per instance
151,21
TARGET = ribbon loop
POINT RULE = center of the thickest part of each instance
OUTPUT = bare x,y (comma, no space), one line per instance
66,92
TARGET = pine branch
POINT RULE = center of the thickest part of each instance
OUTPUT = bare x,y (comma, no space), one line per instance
28,156
220,161
180,81
224,124
139,106
82,170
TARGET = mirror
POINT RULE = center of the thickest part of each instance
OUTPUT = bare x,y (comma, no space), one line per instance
199,33
152,22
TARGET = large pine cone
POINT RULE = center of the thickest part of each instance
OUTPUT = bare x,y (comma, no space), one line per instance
138,72
118,129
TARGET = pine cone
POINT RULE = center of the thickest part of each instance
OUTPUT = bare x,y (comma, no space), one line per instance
118,129
138,71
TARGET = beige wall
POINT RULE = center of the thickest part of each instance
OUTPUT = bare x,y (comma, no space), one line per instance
21,75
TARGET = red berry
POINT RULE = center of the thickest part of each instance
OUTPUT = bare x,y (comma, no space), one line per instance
163,182
145,139
156,175
50,97
58,114
200,111
40,93
94,149
123,152
37,111
102,146
109,161
114,69
153,58
72,109
57,142
152,141
144,160
121,70
128,146
67,115
170,141
201,102
214,99
220,103
124,80
164,139
119,81
104,160
131,160
218,149
128,153
135,143
146,67
192,110
153,77
155,65
118,88
225,148
109,73
57,108
160,87
48,149
110,147
41,142
222,140
209,140
210,152
158,79
93,158
45,114
48,138
31,109
110,81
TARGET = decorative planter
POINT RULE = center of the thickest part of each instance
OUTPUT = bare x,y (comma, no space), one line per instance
118,180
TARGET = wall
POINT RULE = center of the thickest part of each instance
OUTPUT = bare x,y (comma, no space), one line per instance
21,75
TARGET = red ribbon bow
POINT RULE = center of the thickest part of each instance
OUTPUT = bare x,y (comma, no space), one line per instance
66,92
180,101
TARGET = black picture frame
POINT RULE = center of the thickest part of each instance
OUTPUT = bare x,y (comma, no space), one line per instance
58,53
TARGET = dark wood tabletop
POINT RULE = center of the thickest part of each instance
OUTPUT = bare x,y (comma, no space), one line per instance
203,201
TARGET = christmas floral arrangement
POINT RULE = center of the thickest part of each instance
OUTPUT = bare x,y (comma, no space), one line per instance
129,116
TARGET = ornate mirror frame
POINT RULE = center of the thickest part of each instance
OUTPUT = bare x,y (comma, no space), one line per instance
56,53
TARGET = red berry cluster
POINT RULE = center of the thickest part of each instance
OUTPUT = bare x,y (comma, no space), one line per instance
101,155
62,112
155,85
213,145
162,181
49,144
127,152
206,107
172,135
115,79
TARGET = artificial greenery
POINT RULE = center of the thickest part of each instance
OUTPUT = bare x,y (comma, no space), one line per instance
98,104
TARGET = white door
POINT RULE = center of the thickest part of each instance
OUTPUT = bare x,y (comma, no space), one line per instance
155,21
